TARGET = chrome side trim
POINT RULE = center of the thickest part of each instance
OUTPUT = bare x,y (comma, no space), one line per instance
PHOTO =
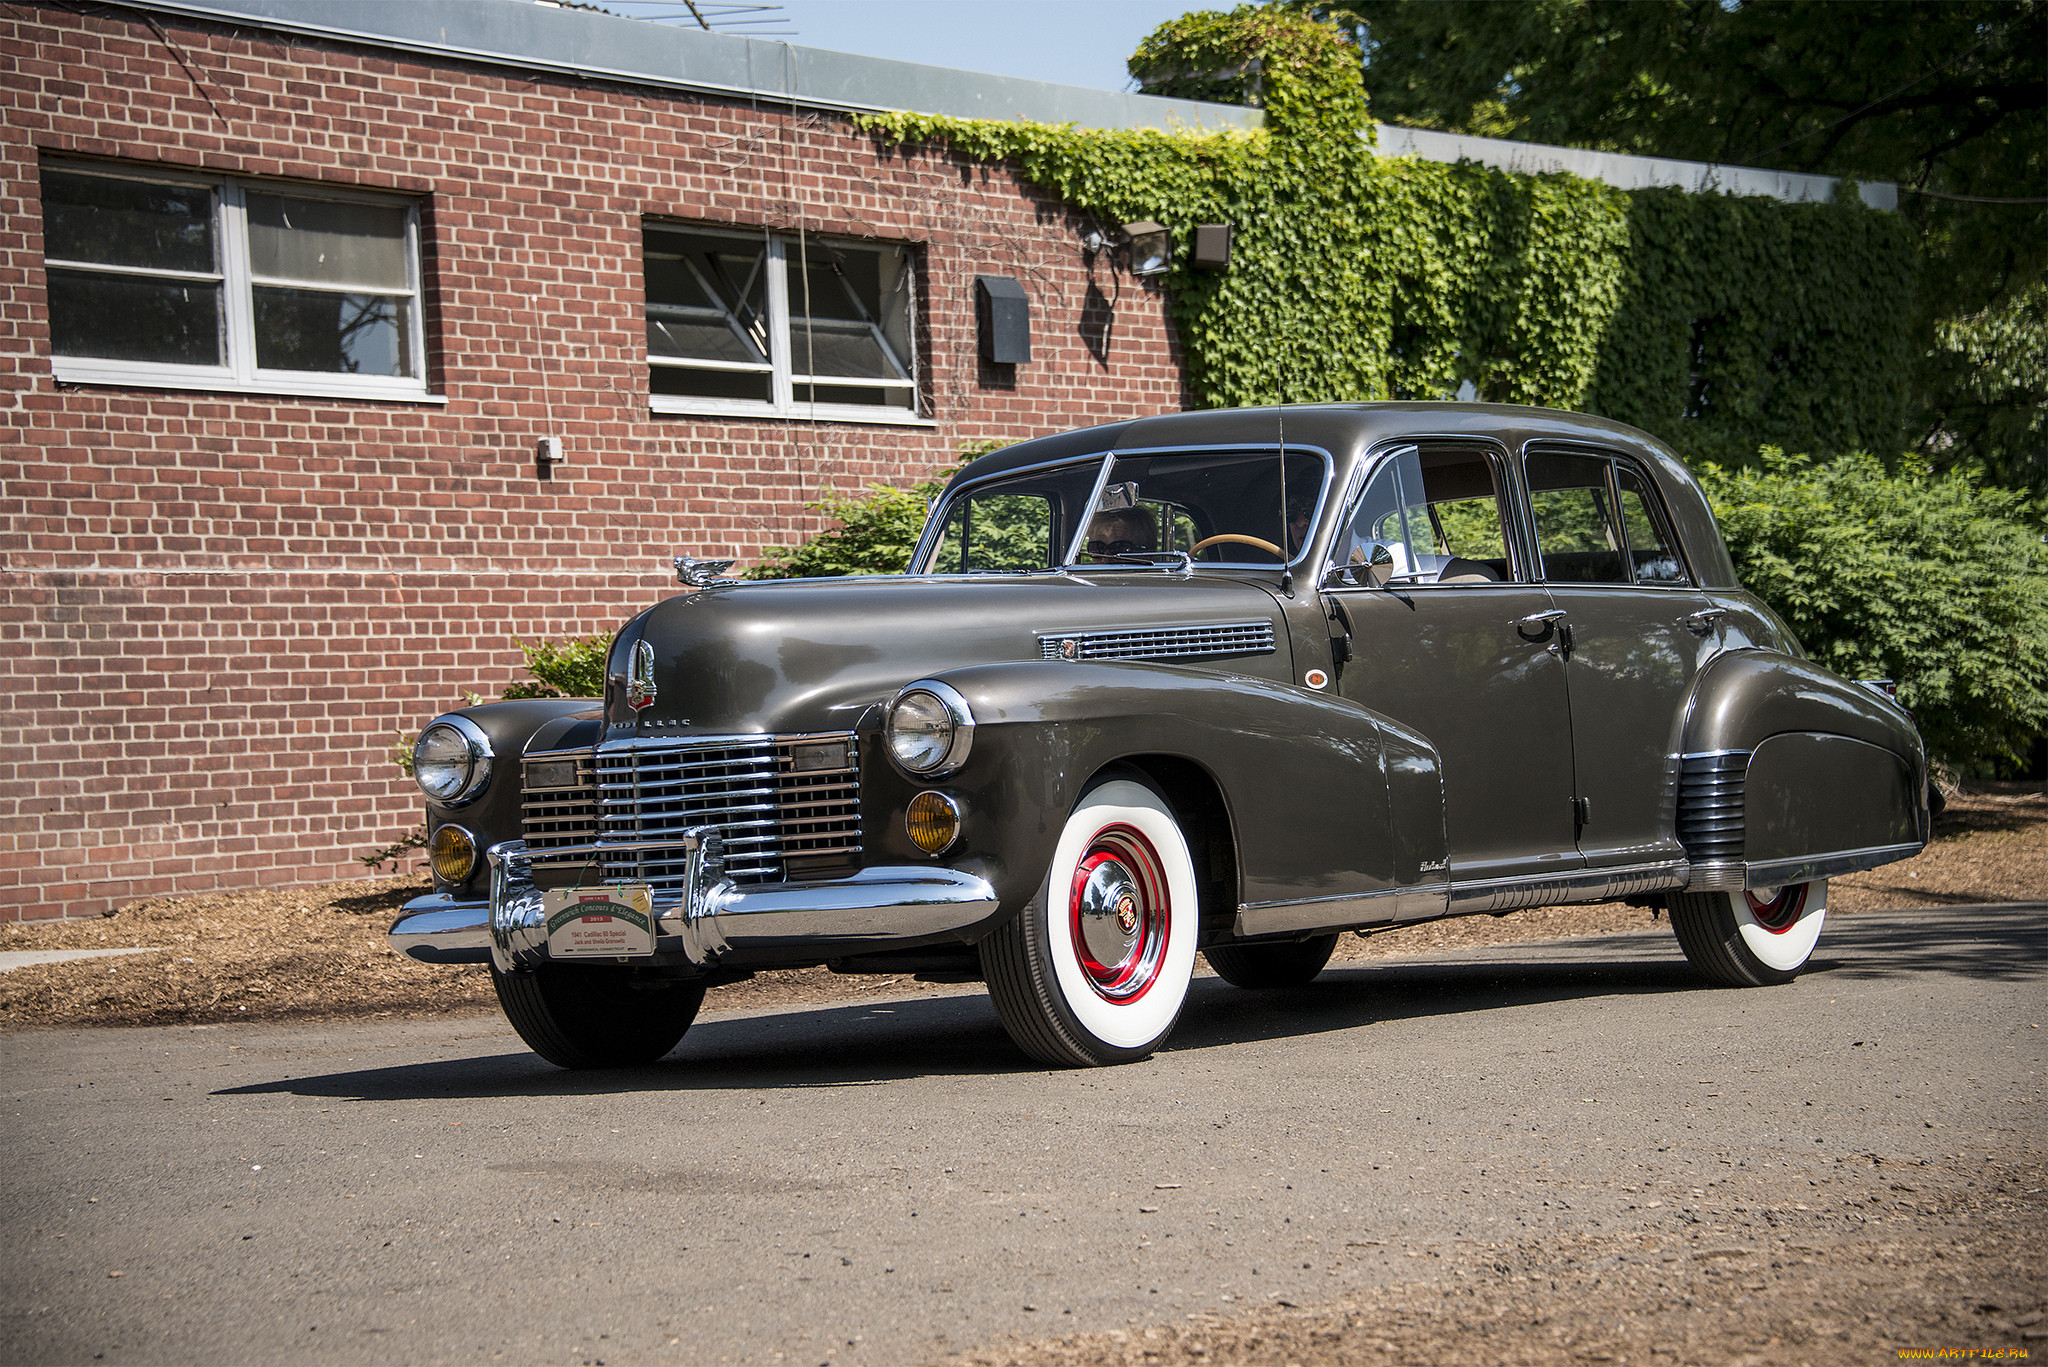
1717,875
1580,885
442,929
1341,912
710,916
1778,872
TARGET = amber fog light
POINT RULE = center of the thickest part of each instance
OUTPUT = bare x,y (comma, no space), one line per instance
453,853
933,822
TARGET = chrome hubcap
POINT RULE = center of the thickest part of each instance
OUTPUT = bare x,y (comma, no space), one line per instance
1118,914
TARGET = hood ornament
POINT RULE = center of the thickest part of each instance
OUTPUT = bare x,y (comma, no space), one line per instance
702,574
640,682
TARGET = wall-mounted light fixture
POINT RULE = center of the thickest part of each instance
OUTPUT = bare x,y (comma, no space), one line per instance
547,454
1151,247
1212,245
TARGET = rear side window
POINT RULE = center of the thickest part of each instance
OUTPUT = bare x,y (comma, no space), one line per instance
1598,522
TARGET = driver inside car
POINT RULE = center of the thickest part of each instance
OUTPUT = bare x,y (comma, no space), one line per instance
1123,531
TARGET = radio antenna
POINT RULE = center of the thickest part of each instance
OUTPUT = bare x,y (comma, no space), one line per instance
1280,416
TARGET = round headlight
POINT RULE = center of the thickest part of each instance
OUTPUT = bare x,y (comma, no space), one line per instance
451,761
453,854
930,728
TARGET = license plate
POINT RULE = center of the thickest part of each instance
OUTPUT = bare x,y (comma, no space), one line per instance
615,920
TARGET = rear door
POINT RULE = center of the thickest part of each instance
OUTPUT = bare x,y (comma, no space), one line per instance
1636,635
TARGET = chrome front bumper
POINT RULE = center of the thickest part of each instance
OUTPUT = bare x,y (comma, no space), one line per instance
708,920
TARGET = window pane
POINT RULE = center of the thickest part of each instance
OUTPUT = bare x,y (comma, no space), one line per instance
844,301
854,393
134,318
349,334
1574,524
706,297
1193,498
327,242
1431,517
1655,561
1023,522
712,384
127,222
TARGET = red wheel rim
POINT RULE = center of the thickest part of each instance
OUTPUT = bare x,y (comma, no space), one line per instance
1119,915
1780,912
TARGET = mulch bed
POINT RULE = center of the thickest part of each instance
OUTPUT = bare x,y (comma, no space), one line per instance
319,952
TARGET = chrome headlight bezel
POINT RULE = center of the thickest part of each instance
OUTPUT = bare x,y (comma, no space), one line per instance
936,712
468,763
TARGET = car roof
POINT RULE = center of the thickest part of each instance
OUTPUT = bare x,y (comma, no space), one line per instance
1349,431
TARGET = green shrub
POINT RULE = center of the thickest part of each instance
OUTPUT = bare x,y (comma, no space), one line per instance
878,529
571,668
1924,579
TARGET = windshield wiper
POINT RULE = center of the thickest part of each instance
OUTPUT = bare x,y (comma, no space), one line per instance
1180,562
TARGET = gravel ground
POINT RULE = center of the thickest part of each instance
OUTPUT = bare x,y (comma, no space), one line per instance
1889,1261
319,952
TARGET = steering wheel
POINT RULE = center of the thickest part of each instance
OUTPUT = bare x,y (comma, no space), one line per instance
1235,538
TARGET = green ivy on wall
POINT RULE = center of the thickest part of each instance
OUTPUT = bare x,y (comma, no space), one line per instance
1720,324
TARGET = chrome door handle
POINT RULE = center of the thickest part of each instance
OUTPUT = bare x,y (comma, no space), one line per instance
1701,622
1539,619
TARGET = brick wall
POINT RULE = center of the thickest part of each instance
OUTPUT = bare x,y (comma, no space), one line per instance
220,608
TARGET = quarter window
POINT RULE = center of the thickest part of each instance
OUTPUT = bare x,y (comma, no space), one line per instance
230,284
785,326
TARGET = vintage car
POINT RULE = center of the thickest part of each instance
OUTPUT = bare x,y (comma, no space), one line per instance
1234,682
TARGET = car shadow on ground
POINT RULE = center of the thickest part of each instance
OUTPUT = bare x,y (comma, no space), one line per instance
871,1044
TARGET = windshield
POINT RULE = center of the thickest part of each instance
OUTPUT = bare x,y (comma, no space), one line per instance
1216,507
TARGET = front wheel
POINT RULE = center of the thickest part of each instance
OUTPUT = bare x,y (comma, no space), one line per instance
1754,938
597,1015
1095,970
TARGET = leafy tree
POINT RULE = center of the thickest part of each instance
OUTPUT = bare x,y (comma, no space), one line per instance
1949,98
1925,579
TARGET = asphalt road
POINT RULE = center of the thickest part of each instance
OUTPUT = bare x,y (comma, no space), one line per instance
889,1182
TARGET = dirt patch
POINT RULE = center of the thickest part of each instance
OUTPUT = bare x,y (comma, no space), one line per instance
319,952
1901,1259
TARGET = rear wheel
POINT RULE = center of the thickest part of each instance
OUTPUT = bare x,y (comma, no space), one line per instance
1266,966
597,1015
1095,970
1754,938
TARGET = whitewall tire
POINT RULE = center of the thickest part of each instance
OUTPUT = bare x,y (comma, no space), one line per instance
1096,969
1753,938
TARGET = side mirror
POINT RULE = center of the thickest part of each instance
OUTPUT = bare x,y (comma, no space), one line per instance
1377,572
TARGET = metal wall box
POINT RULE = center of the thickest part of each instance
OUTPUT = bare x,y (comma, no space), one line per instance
1212,244
1002,315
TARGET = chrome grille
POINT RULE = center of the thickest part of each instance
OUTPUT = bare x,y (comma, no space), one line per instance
1163,643
1710,805
770,813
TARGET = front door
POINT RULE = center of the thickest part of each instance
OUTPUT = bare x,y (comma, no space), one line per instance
1638,635
1450,636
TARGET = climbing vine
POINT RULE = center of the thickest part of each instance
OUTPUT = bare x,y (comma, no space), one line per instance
1719,323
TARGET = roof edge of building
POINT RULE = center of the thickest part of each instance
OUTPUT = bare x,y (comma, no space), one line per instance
575,42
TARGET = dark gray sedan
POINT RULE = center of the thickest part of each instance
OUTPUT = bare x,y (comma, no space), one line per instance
1234,681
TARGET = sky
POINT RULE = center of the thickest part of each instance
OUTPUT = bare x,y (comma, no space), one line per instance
1075,42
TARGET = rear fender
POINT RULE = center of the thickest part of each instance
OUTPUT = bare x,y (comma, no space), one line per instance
1791,773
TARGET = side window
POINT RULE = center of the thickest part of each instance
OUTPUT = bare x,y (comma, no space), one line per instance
1428,518
1012,525
1000,532
1650,548
1576,529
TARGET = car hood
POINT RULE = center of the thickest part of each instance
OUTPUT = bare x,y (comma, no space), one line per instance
813,654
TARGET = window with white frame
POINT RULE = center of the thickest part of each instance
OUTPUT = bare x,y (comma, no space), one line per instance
199,282
762,323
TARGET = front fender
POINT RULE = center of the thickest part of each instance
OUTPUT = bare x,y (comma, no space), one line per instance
493,815
1791,772
1304,777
